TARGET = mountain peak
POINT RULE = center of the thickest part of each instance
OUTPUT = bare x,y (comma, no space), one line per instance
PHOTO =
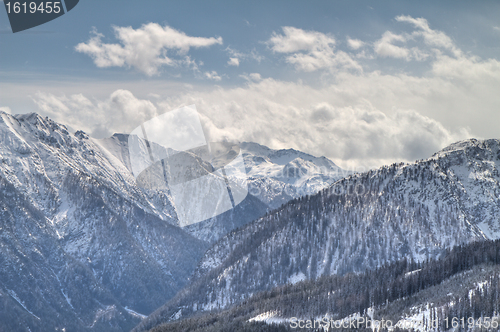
467,144
285,156
120,137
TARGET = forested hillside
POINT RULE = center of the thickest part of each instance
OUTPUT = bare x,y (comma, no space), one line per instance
464,282
414,211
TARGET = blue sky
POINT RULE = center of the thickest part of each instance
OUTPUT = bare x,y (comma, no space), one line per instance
361,82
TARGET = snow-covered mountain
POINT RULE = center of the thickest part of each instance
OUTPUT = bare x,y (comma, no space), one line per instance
361,222
273,177
78,239
82,246
277,176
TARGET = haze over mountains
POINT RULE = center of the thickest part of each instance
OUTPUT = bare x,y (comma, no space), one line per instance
84,248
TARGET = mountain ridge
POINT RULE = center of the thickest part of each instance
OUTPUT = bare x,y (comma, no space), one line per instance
403,210
113,237
121,240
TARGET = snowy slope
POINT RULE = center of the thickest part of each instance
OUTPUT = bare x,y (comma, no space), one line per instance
81,200
361,222
273,177
78,196
276,176
428,296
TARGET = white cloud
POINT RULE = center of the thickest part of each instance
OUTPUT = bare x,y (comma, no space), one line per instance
310,50
471,69
431,37
233,62
368,120
386,48
339,121
235,57
395,45
295,40
360,118
255,77
145,49
212,75
355,44
6,110
121,112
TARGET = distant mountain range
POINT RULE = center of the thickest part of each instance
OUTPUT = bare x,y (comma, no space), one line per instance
273,177
83,247
403,211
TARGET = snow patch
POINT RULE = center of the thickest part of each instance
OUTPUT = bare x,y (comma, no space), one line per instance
296,278
270,317
15,297
135,313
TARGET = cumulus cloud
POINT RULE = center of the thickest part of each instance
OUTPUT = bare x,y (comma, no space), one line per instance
468,68
145,49
294,40
310,50
458,69
233,62
213,76
355,44
431,37
362,118
385,46
253,77
329,121
121,112
395,45
236,57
